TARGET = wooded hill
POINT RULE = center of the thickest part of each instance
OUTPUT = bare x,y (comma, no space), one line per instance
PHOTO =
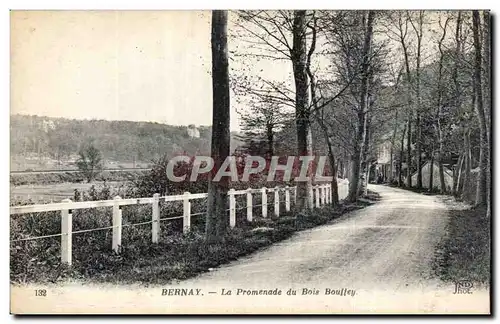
61,138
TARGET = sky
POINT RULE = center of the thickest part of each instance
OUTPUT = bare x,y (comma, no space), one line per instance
114,65
124,65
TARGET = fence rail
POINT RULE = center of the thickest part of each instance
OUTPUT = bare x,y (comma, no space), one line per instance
322,195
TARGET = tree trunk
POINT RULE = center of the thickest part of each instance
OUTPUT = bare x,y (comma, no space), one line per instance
320,118
270,140
393,142
418,126
391,165
217,220
440,158
419,151
408,153
481,191
364,176
401,154
362,172
487,74
467,147
362,120
457,173
431,172
442,183
302,111
410,104
335,186
356,160
333,165
468,165
365,166
487,103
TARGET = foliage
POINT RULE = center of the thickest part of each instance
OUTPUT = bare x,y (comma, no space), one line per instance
260,125
90,162
157,181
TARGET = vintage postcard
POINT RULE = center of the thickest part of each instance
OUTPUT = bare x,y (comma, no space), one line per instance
250,162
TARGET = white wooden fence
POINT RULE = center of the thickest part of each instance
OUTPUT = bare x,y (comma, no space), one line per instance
322,194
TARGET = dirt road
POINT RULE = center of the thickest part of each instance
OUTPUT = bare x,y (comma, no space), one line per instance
388,245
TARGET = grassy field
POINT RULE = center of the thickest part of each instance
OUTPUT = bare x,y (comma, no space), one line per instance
53,192
73,177
24,164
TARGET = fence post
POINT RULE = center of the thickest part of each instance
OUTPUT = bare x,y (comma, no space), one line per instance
67,234
186,221
287,198
117,224
311,197
232,208
249,205
276,201
156,218
317,196
264,202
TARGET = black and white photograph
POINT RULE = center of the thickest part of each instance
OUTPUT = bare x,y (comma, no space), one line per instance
233,162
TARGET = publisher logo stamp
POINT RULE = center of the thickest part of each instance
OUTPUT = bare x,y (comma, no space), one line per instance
463,287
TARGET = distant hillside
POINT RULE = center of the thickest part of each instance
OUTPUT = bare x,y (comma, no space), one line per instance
59,139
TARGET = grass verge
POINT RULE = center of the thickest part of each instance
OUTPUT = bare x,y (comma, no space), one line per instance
464,252
176,256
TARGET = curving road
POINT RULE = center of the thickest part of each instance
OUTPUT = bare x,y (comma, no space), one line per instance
387,245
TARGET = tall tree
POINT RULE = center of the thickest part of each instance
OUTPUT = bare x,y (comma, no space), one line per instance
401,21
487,73
458,174
282,35
418,28
439,104
319,114
217,220
487,98
481,191
302,109
395,128
363,107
